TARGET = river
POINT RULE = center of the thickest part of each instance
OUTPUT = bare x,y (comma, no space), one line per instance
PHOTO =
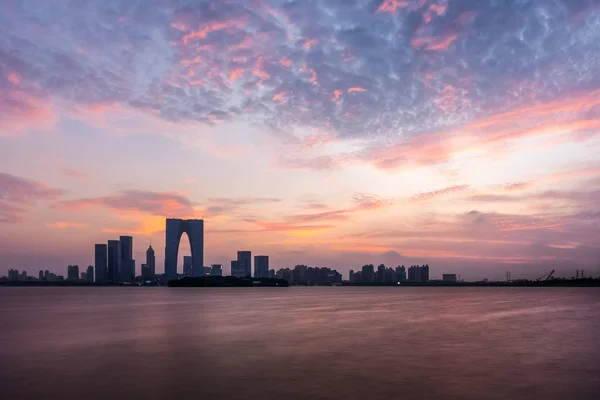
299,343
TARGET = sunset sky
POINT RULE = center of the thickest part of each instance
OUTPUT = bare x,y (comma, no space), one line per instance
460,133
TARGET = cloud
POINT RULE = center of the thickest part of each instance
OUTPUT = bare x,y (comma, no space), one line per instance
314,206
21,190
440,193
165,204
17,193
424,66
65,225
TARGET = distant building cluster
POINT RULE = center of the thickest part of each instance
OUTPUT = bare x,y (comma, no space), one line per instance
369,275
304,275
114,264
114,261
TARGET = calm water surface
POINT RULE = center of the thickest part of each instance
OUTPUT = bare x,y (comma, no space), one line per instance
300,343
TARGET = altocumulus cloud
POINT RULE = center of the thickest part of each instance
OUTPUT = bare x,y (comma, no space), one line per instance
376,70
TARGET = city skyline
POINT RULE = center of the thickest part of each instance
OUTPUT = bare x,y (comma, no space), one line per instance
460,134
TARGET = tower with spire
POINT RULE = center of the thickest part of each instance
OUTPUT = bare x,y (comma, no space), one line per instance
150,259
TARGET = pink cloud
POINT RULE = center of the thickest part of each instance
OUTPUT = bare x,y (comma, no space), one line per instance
440,193
390,6
14,78
437,43
356,89
65,225
20,110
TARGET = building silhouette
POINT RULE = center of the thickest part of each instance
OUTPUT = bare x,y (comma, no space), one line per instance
187,266
175,228
41,275
89,274
424,273
150,261
284,273
237,269
368,273
380,273
245,259
73,272
127,263
113,261
100,263
216,270
401,274
449,278
261,266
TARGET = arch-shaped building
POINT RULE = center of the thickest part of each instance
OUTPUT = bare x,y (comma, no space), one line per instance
195,232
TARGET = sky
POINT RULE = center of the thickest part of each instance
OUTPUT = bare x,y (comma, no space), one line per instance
464,134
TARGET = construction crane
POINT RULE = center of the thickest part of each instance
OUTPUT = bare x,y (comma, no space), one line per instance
547,276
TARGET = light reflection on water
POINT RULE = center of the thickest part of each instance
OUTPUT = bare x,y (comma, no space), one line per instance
297,343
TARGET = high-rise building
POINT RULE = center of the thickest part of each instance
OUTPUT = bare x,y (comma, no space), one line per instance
237,269
41,275
100,263
23,276
368,273
245,260
390,276
90,274
195,232
127,265
187,266
151,261
381,273
351,276
46,274
424,273
400,274
261,266
113,261
73,272
216,270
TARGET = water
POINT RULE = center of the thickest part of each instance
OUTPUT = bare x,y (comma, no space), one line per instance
300,343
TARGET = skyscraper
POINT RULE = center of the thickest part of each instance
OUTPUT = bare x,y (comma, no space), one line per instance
73,272
151,261
245,260
261,266
195,232
113,261
90,274
127,266
100,263
41,275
